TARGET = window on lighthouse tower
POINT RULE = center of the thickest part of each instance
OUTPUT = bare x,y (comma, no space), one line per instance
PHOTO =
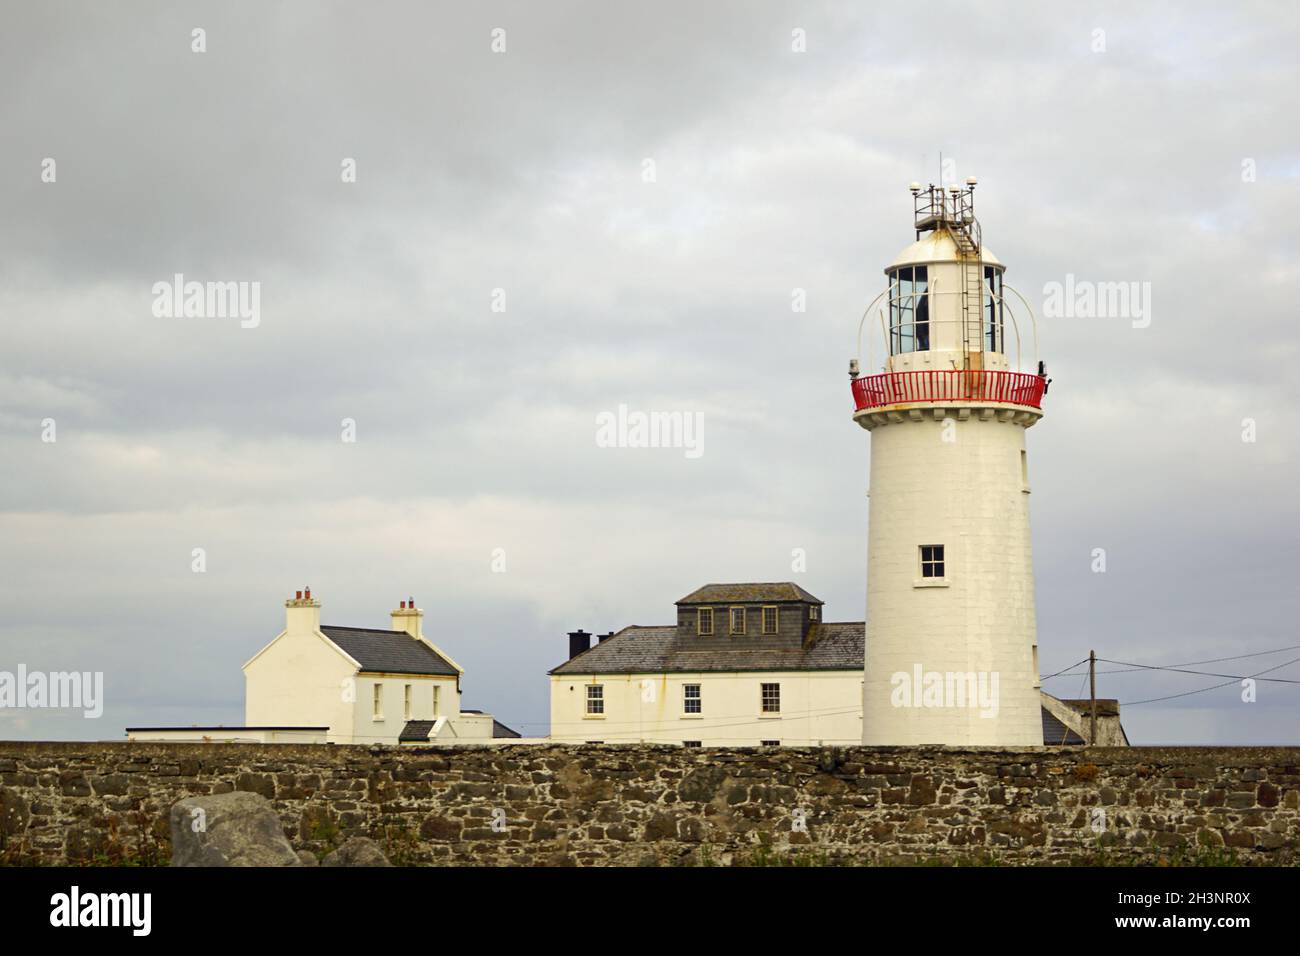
932,561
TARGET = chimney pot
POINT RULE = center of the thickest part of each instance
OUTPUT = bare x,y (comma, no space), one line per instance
403,605
307,593
297,596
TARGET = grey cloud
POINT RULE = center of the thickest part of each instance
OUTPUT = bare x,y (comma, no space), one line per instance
774,171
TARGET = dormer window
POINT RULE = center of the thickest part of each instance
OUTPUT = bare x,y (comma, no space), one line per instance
814,612
737,620
769,620
705,621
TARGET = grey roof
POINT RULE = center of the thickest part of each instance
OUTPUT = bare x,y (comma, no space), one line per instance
769,593
657,650
392,652
416,730
501,730
1056,733
419,729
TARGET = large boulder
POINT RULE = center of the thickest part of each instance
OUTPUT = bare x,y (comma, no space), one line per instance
229,829
357,851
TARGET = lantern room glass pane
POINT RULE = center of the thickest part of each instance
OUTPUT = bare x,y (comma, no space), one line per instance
922,309
894,343
909,310
993,337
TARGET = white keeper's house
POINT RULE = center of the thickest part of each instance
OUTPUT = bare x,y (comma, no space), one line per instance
750,665
319,683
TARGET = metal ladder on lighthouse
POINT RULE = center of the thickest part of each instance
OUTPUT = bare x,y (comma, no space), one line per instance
965,231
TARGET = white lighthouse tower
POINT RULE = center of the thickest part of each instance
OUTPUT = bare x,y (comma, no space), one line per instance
951,642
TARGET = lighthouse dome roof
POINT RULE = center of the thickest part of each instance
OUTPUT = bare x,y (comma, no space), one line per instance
937,246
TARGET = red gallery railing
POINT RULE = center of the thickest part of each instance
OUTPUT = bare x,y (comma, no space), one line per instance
957,385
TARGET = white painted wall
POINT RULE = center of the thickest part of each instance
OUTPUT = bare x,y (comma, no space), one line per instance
300,679
368,730
227,735
966,494
817,707
951,474
465,727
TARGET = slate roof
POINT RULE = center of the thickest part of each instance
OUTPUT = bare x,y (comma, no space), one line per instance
1056,733
418,730
415,730
392,652
771,593
657,650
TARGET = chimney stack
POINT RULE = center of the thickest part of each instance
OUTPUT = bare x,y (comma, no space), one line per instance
602,638
408,618
579,641
301,613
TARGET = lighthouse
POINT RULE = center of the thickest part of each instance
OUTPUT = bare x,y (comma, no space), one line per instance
951,640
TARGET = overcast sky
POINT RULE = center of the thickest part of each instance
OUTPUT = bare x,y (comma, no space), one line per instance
1111,143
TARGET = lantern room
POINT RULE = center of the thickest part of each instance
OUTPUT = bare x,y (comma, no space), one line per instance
925,307
946,308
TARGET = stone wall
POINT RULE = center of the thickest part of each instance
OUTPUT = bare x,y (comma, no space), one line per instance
593,805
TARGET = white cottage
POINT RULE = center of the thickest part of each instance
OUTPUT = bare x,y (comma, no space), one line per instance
319,683
745,664
750,665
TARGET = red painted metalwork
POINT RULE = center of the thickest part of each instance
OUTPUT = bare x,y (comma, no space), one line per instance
955,385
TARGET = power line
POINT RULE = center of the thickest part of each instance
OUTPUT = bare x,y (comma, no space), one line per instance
1066,734
1060,672
709,725
1131,667
1180,670
1202,690
651,727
